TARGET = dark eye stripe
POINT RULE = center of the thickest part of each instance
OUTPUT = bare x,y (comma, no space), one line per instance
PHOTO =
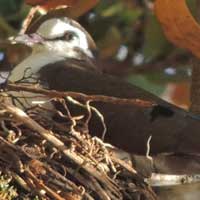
64,37
69,36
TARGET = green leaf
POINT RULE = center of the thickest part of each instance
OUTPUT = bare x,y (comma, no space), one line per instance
143,82
155,43
10,7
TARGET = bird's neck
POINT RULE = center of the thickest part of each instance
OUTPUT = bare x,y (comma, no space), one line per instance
33,64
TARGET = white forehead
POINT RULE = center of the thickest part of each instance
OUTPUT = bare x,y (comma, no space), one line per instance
55,28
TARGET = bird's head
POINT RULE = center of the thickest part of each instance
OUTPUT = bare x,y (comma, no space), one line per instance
54,40
60,36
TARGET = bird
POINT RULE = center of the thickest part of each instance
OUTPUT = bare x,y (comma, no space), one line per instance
62,59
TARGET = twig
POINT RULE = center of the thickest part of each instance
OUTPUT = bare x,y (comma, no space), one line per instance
55,175
124,165
172,180
44,187
80,96
20,181
100,190
195,87
28,19
23,117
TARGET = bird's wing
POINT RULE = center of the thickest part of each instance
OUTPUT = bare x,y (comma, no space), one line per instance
129,127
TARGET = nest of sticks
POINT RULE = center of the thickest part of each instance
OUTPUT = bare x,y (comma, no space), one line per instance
61,160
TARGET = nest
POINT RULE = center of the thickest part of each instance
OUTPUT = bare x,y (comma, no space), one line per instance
55,160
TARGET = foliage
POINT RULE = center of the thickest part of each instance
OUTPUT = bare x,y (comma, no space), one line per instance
7,191
127,33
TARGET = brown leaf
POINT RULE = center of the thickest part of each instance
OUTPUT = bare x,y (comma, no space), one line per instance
178,94
48,4
75,8
179,25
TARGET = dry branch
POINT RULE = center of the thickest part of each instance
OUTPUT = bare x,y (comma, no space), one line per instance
79,96
55,160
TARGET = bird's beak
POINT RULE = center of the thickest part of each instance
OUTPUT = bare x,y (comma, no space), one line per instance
28,40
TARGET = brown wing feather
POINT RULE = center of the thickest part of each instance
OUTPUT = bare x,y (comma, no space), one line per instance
129,126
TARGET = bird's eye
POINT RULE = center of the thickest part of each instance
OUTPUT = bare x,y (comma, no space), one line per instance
69,36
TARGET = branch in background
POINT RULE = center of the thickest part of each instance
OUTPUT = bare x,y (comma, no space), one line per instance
28,19
126,67
195,86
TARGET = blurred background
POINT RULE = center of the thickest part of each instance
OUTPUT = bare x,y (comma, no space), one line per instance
130,41
131,45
